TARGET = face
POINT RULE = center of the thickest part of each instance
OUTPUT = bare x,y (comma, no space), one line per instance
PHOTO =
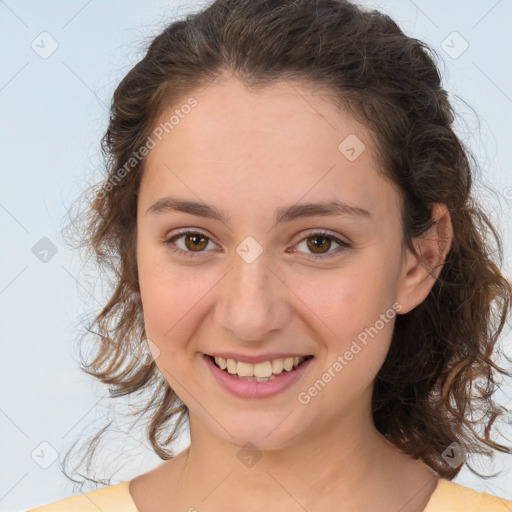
258,273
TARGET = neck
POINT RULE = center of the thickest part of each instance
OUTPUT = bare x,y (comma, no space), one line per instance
339,463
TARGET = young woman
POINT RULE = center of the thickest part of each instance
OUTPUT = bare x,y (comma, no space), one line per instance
290,218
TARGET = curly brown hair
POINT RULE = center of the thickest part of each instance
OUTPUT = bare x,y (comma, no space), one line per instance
439,372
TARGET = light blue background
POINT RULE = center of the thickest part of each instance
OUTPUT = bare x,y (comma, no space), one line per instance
54,112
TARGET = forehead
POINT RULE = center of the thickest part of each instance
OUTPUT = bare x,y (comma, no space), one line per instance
282,142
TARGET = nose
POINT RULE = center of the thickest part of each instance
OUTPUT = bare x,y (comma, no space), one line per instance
252,301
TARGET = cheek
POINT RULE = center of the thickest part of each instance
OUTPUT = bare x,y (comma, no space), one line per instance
175,303
352,307
347,300
169,320
168,302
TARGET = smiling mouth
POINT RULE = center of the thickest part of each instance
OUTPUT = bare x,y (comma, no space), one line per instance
278,368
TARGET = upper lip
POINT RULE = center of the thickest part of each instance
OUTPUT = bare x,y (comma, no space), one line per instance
255,359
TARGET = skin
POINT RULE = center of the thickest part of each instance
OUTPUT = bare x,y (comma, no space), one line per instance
248,153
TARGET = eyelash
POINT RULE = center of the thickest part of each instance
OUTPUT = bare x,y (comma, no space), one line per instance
315,234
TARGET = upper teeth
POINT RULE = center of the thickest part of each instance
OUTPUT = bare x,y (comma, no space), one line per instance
265,369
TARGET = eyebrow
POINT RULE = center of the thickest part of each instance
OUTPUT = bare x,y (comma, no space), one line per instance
330,208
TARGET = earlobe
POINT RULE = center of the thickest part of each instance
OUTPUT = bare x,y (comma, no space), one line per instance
420,271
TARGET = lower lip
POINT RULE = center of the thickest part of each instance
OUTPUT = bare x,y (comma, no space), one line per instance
254,389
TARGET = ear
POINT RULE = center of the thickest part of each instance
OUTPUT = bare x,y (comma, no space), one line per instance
419,273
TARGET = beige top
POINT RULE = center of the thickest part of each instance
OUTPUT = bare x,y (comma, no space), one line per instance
447,497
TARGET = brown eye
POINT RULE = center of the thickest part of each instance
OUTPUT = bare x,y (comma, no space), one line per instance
196,241
318,244
189,243
321,245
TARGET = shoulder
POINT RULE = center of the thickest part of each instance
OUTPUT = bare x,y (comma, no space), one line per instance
451,497
113,498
